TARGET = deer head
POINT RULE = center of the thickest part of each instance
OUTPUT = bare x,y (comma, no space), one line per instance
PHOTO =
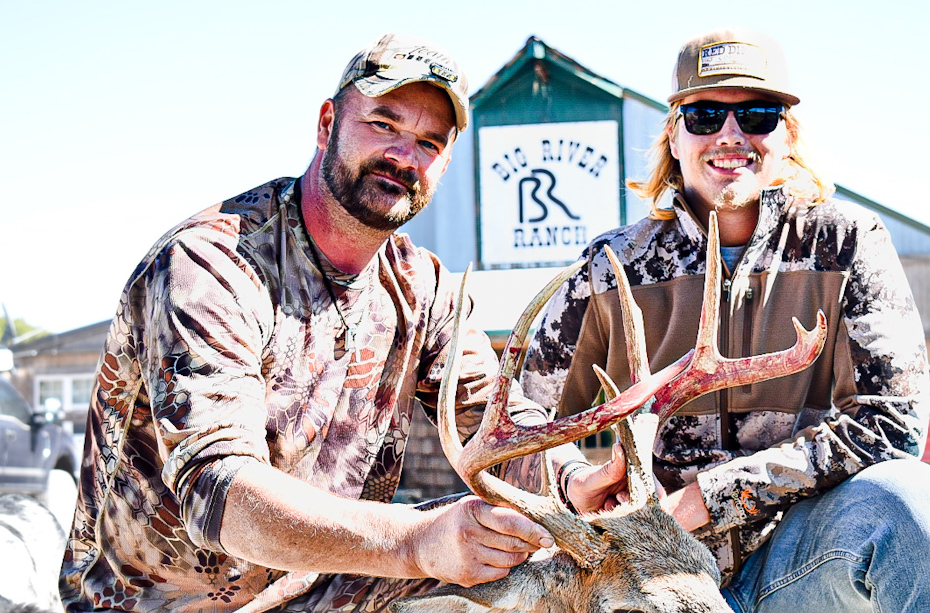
635,557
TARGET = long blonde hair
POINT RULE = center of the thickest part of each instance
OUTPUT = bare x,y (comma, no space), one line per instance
797,172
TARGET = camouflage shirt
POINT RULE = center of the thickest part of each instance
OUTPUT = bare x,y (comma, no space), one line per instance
226,349
754,449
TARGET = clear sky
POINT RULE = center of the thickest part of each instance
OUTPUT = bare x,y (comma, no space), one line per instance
120,118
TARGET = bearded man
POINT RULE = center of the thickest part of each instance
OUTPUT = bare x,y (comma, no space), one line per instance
253,401
807,488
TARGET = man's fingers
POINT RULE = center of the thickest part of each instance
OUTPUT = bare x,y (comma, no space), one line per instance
618,456
483,574
510,531
471,542
496,558
611,472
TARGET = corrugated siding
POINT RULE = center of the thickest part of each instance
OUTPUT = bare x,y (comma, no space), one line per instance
917,269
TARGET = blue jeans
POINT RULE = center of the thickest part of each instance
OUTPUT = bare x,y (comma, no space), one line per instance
863,546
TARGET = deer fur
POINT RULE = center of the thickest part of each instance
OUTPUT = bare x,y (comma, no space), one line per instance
652,565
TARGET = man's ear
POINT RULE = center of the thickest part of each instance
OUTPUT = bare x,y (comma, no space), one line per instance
324,127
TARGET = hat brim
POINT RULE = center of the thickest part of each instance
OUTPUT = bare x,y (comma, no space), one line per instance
743,83
374,87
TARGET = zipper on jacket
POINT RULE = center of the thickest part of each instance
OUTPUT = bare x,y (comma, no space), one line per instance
724,337
723,405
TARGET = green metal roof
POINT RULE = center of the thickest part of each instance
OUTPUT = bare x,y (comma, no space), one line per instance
535,50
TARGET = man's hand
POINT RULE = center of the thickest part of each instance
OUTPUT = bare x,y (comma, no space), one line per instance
600,487
604,487
469,542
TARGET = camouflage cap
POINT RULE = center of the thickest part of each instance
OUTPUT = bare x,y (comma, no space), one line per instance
732,58
397,59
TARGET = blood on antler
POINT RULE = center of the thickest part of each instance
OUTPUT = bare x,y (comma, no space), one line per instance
700,371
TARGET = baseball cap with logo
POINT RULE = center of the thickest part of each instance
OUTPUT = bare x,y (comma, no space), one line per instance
395,60
734,58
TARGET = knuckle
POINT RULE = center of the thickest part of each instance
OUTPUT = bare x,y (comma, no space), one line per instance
523,545
513,559
513,544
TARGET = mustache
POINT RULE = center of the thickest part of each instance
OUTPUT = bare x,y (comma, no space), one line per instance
746,152
407,178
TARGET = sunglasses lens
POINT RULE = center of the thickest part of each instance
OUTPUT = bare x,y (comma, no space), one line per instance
702,118
753,117
758,119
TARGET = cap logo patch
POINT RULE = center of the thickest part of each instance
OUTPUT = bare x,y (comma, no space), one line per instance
443,73
732,58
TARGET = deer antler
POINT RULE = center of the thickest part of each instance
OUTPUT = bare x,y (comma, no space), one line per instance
499,439
708,371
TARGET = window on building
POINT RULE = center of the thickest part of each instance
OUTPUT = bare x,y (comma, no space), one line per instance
73,391
51,389
80,391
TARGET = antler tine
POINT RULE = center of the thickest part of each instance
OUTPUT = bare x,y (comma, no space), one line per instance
706,351
632,321
496,413
445,404
611,390
496,410
709,371
636,433
496,418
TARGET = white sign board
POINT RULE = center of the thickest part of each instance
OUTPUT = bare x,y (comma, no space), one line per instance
546,190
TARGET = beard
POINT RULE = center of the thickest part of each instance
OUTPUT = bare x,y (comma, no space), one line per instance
736,196
739,193
360,193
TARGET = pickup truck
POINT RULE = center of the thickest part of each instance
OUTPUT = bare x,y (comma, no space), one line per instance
36,449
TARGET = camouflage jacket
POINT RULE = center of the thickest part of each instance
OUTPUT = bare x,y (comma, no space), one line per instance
754,449
226,348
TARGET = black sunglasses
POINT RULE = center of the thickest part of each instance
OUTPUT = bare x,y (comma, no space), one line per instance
752,116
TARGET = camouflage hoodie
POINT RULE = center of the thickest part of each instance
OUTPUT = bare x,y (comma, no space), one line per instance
754,449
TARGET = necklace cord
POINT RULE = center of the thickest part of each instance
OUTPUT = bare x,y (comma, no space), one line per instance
326,282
